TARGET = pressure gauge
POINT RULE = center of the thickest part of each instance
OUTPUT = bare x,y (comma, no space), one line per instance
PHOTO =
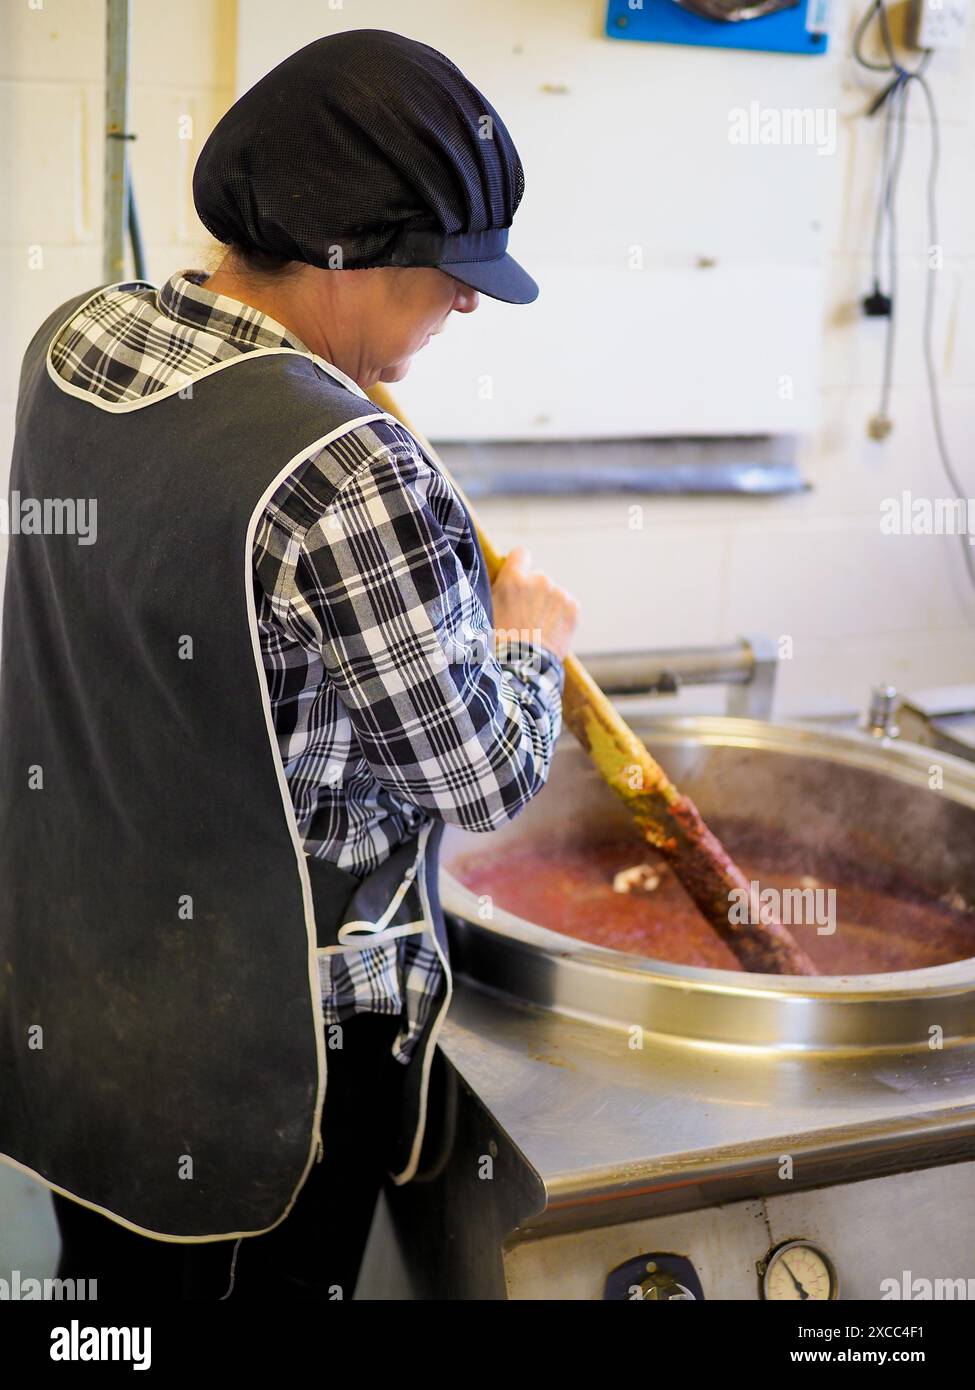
800,1270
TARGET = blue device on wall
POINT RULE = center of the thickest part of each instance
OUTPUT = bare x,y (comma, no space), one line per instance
777,26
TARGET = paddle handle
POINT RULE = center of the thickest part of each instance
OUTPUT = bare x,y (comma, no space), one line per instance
667,820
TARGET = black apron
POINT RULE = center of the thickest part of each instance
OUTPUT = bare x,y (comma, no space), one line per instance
162,1055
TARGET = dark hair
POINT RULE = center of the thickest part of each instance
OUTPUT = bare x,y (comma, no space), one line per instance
261,264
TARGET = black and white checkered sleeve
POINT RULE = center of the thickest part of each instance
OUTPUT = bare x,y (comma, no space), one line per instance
383,588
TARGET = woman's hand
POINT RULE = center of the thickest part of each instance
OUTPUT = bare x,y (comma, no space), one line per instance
530,602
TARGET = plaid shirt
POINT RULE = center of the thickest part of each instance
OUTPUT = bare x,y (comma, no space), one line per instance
378,732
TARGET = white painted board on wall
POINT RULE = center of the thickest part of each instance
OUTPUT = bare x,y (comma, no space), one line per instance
607,354
628,163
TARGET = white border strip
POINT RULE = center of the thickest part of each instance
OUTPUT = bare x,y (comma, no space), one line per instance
287,804
143,402
410,1170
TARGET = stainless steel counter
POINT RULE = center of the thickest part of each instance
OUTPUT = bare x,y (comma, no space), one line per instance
677,1126
593,1109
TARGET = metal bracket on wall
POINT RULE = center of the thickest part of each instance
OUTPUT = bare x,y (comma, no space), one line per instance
757,466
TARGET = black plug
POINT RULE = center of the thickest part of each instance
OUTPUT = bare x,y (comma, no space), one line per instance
877,305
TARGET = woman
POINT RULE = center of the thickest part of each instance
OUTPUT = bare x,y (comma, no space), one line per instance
234,729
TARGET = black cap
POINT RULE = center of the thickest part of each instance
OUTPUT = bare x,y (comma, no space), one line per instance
364,149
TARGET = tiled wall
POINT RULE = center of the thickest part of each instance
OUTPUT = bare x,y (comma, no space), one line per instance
859,607
52,59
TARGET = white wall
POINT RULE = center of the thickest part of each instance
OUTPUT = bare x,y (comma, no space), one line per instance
858,606
631,186
52,62
644,128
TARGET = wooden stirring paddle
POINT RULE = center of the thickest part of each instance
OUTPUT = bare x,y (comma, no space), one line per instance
667,819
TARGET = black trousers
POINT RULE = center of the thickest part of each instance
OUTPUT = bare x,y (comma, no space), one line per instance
315,1253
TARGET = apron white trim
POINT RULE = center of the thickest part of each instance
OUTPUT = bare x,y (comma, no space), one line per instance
364,939
413,1161
124,407
316,1149
360,935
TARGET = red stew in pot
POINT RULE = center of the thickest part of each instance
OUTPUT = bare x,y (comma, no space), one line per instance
883,920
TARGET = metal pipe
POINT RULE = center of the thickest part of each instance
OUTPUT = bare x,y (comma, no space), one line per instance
667,669
748,667
880,716
116,206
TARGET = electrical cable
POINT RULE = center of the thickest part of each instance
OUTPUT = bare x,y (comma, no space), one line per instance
135,233
894,98
896,113
874,10
928,328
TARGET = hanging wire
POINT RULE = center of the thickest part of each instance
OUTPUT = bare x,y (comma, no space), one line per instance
928,330
894,97
135,233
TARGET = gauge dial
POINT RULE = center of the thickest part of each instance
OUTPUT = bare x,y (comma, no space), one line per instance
798,1270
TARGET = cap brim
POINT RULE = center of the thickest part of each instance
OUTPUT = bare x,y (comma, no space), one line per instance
501,279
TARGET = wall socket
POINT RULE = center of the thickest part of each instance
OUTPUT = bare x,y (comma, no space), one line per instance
938,23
